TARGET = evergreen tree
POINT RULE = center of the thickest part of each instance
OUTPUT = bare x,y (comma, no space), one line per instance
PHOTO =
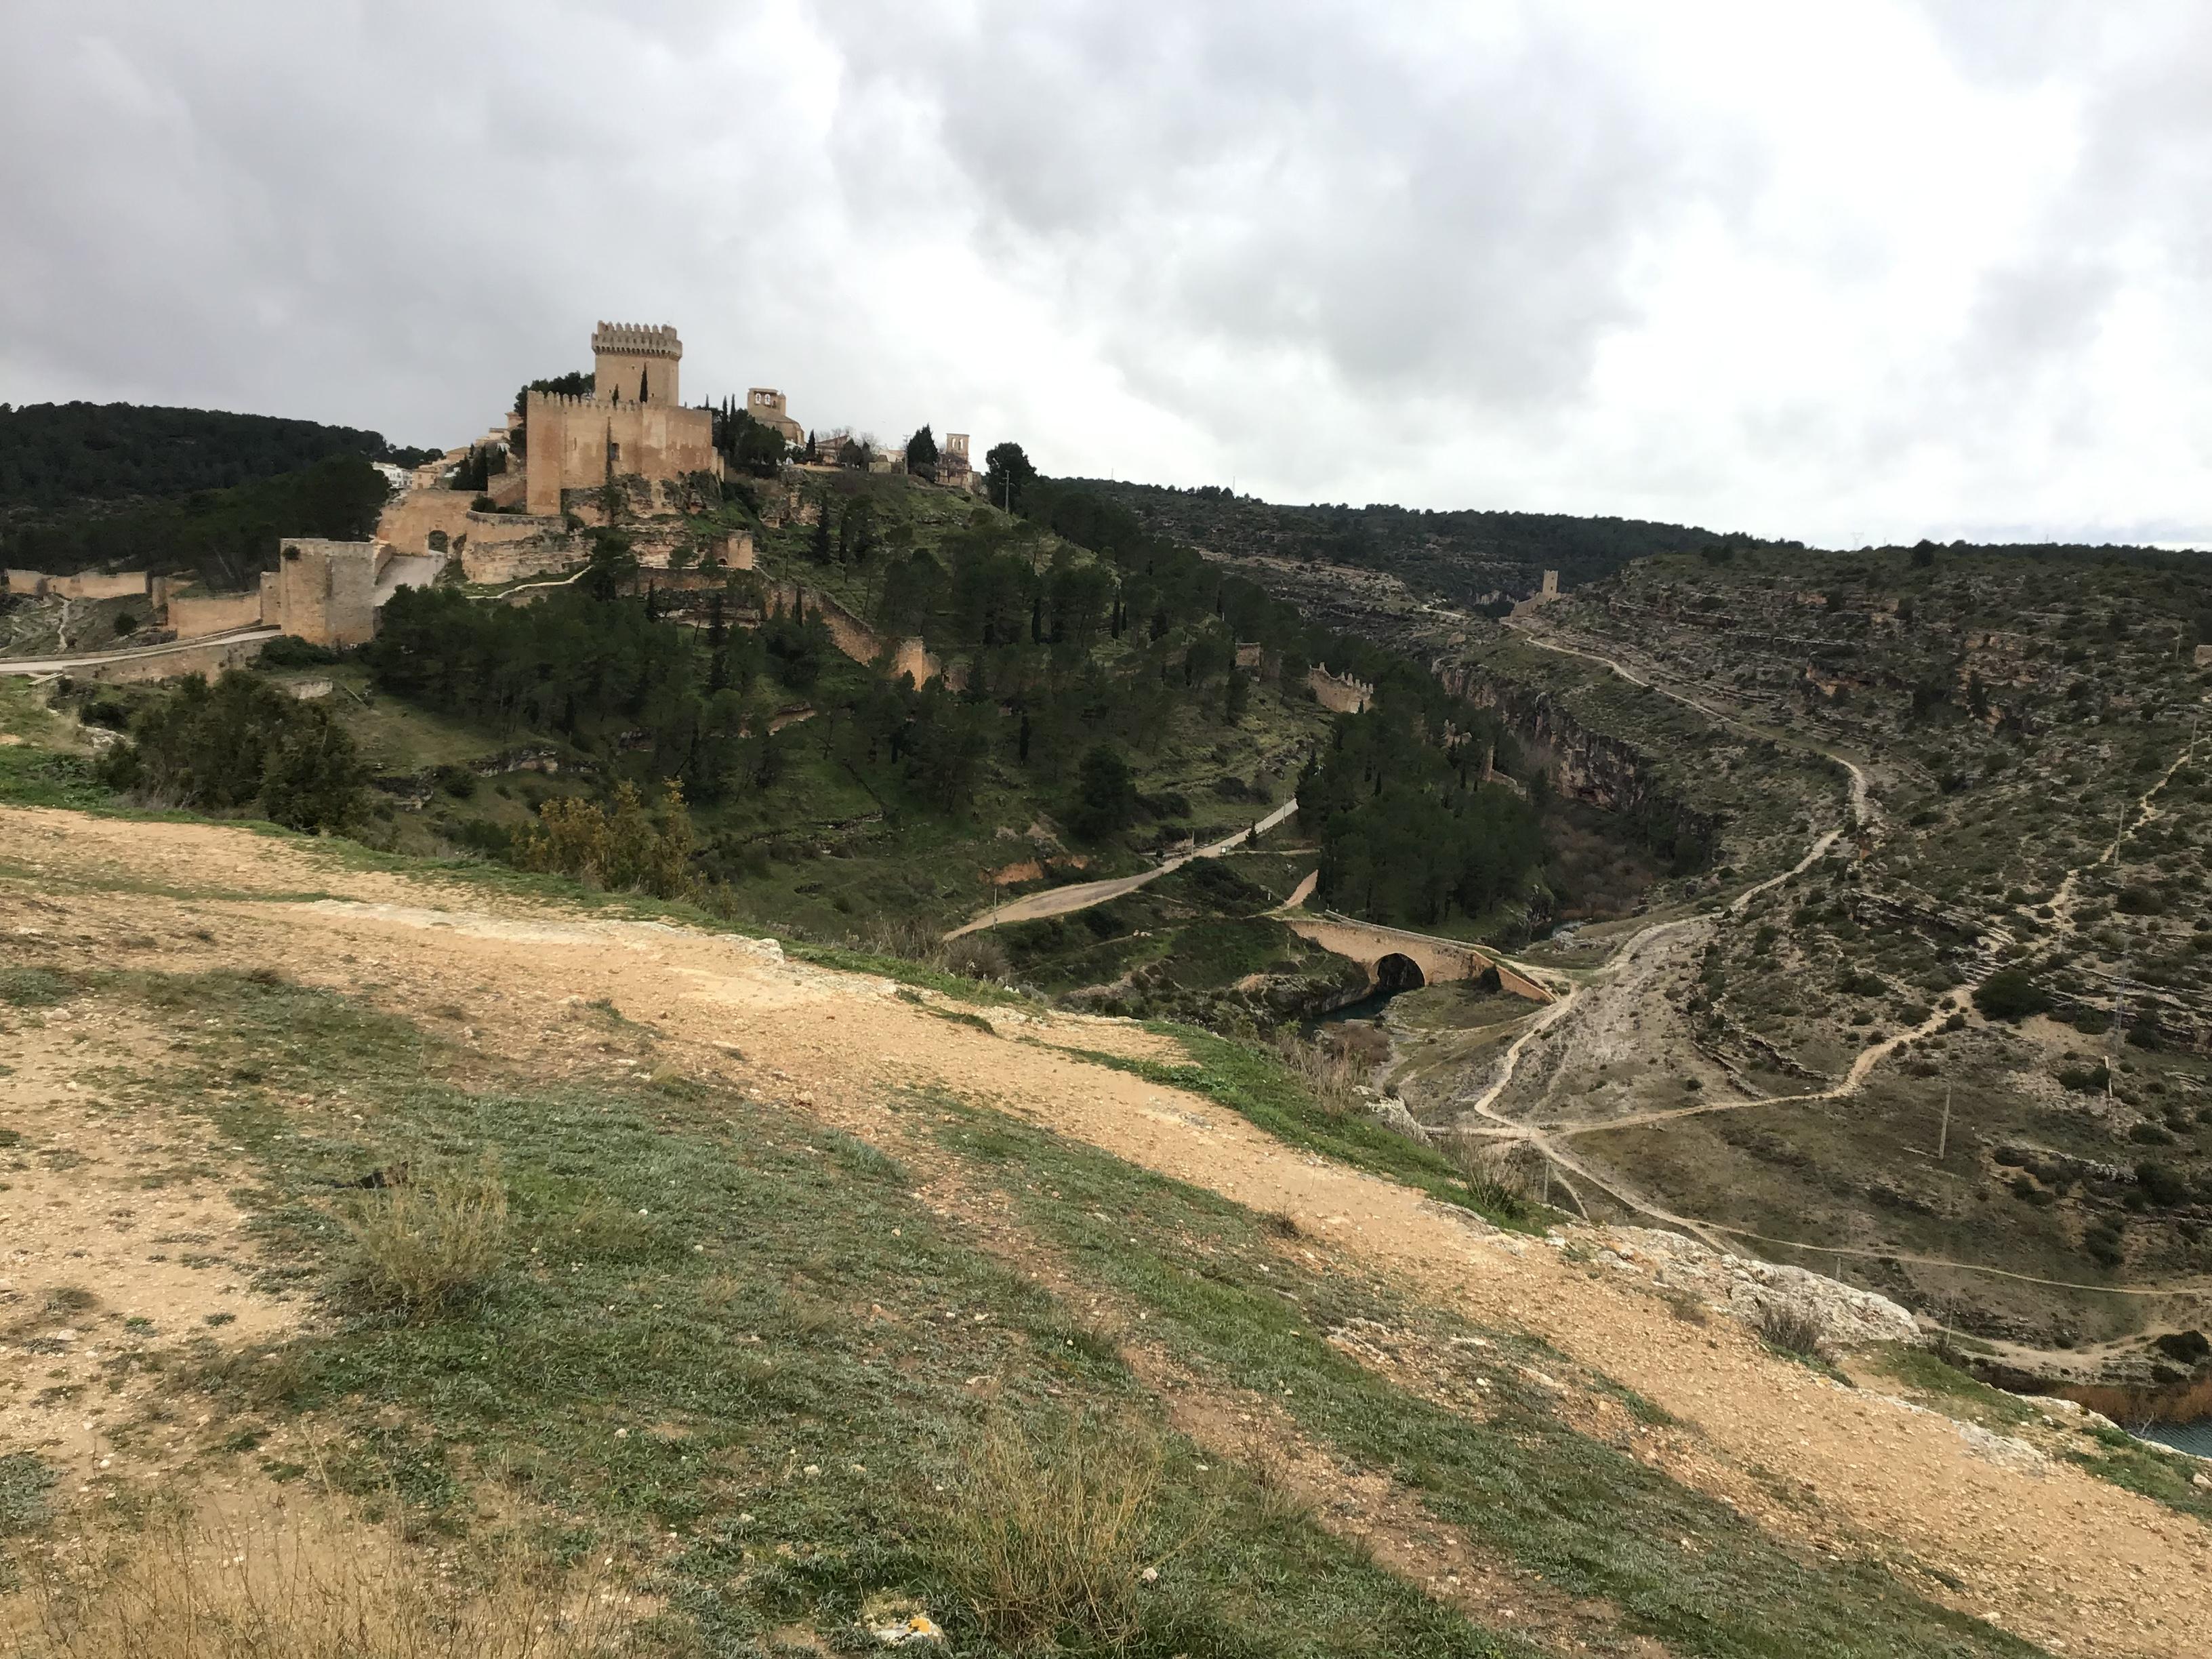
921,454
1007,476
1105,793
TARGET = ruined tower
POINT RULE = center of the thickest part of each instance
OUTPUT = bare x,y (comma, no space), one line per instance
636,363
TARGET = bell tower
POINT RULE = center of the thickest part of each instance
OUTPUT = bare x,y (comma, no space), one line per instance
636,363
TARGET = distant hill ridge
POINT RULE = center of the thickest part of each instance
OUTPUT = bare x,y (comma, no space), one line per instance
1462,552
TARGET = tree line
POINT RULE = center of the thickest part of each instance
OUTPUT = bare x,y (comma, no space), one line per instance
1408,831
53,455
223,537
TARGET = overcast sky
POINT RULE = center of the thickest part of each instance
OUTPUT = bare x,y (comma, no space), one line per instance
1849,272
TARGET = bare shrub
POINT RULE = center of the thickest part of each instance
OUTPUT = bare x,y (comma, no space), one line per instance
313,1589
423,1250
974,956
1331,1075
908,936
1790,1330
1501,1176
1050,1532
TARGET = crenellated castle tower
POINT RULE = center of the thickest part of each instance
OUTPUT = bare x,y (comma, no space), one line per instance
634,362
632,425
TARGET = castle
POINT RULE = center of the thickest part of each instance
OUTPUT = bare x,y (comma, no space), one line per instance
633,424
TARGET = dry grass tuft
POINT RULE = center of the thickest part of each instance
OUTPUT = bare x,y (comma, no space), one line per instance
1790,1330
1051,1532
317,1588
420,1250
1331,1072
1503,1177
972,956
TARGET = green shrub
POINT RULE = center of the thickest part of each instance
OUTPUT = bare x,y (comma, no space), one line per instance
33,987
238,745
2009,993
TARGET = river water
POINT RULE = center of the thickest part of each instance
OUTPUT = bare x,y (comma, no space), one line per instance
2195,1438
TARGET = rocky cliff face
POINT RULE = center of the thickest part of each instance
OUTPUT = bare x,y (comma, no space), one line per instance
1604,771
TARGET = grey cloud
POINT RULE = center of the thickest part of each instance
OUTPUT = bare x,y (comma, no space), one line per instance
1421,217
1338,252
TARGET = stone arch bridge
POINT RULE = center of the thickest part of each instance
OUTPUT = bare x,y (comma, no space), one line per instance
1403,961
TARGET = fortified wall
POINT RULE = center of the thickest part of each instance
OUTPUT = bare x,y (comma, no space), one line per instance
1339,693
85,584
854,638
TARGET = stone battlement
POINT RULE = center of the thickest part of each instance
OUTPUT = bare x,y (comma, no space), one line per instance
637,339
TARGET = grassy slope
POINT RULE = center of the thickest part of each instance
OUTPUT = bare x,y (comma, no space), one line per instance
734,1343
725,1336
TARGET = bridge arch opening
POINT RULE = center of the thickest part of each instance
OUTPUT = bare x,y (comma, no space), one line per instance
1398,972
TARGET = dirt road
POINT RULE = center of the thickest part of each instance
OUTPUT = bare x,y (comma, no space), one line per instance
1063,900
2049,1551
78,661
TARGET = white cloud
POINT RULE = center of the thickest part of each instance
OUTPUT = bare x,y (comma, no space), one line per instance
1845,272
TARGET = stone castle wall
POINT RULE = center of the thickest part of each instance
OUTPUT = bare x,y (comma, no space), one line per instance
1339,693
195,616
853,637
580,443
138,666
85,584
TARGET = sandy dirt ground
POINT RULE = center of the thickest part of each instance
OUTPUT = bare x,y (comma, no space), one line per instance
120,1250
2046,1551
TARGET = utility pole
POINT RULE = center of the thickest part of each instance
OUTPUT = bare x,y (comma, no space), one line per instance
2120,1027
1943,1135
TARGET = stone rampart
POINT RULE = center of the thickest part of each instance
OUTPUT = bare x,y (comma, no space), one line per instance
1339,693
408,520
83,584
195,616
854,638
171,662
582,443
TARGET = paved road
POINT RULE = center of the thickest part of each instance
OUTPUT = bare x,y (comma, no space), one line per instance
1060,901
96,659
